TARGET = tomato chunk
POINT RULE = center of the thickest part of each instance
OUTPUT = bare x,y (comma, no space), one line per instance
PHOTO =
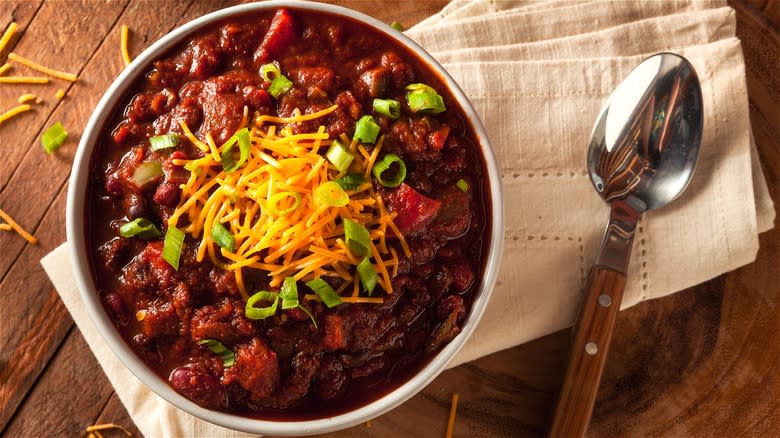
414,210
280,34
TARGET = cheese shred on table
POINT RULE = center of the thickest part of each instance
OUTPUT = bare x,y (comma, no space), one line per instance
7,35
451,419
270,208
123,44
14,111
29,97
12,223
95,429
23,80
45,70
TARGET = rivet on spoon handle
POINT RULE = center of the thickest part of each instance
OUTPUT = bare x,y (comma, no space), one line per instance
589,352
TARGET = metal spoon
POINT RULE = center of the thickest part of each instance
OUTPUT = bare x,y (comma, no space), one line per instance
642,154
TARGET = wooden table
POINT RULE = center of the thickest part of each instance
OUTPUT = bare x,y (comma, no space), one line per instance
703,362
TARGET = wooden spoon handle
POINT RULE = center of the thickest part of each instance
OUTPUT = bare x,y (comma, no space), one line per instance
592,335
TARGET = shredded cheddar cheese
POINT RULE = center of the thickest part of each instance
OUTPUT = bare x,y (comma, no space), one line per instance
23,80
451,419
59,94
45,70
7,35
95,429
28,97
123,45
5,227
5,67
270,207
14,111
12,223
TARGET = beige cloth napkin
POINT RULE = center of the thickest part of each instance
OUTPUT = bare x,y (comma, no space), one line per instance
537,72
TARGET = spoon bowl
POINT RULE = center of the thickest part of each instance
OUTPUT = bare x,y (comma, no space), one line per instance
645,143
642,155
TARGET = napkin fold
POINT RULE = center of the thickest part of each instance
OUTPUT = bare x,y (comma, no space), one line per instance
537,73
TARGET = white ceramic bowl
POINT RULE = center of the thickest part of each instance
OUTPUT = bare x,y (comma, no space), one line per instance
79,253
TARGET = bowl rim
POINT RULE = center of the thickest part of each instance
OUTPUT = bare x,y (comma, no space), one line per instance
75,227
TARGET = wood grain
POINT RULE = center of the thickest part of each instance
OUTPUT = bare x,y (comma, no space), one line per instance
589,352
702,362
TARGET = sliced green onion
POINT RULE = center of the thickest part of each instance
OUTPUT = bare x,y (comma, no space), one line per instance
382,166
357,237
279,86
244,145
146,172
166,141
462,185
387,107
330,193
420,88
142,228
273,203
325,292
270,71
174,241
306,311
216,347
366,130
253,312
397,26
426,102
368,275
339,156
222,236
350,181
289,294
53,137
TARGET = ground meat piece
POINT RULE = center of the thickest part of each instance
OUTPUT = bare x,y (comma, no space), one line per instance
223,282
257,99
206,58
440,281
392,340
295,388
309,77
335,333
330,378
411,136
349,104
369,368
148,271
187,111
454,217
160,319
239,39
199,386
115,253
224,321
375,81
401,73
182,300
256,369
146,106
462,275
451,304
222,115
423,250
